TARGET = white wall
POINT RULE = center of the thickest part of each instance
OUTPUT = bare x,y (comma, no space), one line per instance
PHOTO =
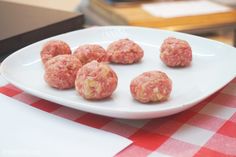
68,5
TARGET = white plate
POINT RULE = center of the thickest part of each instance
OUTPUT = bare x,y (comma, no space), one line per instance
213,67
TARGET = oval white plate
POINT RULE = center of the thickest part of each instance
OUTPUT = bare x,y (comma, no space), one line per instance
213,67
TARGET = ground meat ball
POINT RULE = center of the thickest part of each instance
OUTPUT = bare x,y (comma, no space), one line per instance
60,71
88,52
176,52
151,86
96,81
124,51
53,48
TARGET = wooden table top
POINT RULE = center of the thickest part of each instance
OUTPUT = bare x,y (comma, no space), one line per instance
134,15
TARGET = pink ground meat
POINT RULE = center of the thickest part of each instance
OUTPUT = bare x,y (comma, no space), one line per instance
152,86
96,81
53,48
125,51
89,52
60,71
176,52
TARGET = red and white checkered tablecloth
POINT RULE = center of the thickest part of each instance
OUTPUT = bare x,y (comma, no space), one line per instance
206,130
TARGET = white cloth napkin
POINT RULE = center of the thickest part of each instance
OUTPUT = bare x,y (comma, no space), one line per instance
29,132
183,8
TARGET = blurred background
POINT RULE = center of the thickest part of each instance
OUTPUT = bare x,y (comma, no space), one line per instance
216,20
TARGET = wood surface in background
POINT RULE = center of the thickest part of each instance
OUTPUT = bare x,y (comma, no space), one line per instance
134,15
22,25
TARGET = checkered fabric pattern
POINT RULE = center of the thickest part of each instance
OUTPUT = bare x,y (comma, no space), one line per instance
207,129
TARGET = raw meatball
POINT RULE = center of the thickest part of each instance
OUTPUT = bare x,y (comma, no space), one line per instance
53,48
176,52
88,52
124,51
95,81
151,86
60,71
